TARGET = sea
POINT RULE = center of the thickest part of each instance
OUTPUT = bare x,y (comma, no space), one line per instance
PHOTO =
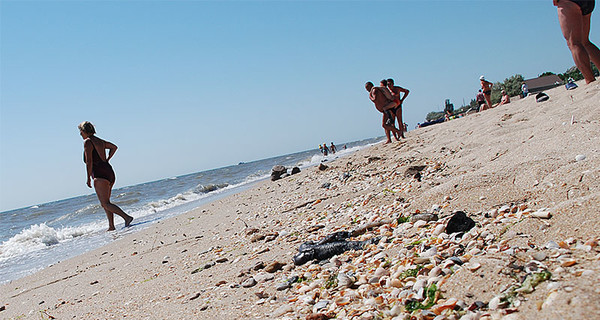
36,237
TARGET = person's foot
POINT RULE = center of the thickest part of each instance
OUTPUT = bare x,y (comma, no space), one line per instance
128,221
111,229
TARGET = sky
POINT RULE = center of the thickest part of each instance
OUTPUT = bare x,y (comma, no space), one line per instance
186,86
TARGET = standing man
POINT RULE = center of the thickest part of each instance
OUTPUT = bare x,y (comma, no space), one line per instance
396,90
380,99
486,86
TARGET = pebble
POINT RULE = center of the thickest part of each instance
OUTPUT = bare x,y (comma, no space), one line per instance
320,305
250,282
568,262
568,289
496,304
282,310
344,281
580,157
274,266
542,214
472,266
550,300
438,230
539,256
552,245
263,277
259,265
424,217
221,260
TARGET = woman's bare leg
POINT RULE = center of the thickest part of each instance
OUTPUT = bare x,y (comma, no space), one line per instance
488,100
103,191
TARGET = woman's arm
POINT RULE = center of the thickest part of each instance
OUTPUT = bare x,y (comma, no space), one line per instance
112,148
87,151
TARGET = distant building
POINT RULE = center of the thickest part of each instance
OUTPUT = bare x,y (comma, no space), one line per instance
536,85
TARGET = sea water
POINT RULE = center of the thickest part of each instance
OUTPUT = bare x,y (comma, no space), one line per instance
38,236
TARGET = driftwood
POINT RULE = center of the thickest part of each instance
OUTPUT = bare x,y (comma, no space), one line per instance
304,204
362,229
335,244
325,251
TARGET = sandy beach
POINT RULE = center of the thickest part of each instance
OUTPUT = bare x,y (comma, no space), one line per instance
527,173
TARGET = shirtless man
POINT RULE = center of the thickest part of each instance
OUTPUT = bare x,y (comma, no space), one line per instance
486,86
396,90
382,98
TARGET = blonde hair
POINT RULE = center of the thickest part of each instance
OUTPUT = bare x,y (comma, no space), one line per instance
87,127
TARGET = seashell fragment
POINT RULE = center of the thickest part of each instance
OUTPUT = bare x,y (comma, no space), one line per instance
472,266
568,262
344,281
543,213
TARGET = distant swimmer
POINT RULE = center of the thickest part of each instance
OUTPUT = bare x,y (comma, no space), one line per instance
381,97
325,150
98,168
332,148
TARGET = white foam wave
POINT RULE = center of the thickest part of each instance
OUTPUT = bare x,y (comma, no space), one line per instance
40,236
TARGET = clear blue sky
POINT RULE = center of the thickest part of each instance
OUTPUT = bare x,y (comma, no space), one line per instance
185,86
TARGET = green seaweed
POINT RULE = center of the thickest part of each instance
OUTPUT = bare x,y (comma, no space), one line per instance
332,281
402,220
411,272
416,243
412,305
533,280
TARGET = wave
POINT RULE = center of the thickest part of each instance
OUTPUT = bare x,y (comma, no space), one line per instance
209,188
40,236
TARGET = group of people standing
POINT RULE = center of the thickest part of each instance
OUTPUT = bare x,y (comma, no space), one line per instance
388,99
325,151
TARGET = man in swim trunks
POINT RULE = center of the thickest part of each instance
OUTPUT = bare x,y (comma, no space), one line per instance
396,90
574,17
486,87
381,97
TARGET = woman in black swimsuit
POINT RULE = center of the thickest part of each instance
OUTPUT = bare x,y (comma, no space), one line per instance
574,17
101,171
